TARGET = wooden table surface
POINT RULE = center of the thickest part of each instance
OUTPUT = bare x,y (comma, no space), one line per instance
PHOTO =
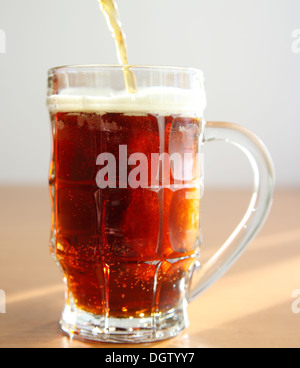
249,307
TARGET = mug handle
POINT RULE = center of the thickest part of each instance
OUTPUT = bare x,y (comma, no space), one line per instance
264,177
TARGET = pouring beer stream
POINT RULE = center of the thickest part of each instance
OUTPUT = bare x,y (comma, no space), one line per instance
110,10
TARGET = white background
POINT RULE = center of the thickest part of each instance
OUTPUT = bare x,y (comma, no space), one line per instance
243,47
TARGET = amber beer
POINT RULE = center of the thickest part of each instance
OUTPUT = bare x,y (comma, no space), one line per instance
124,252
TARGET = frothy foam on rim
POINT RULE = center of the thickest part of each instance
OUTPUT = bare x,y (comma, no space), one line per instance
163,101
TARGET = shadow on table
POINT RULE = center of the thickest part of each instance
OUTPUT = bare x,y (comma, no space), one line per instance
276,327
270,250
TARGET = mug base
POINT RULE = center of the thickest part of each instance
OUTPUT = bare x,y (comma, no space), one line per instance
88,327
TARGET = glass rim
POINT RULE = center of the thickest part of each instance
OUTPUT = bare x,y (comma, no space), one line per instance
118,67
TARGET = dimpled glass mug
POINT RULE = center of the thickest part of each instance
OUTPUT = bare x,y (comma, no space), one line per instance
126,181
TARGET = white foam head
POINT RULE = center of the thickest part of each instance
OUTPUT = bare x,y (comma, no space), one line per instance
156,100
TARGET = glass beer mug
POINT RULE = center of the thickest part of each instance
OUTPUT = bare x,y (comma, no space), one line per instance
126,182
